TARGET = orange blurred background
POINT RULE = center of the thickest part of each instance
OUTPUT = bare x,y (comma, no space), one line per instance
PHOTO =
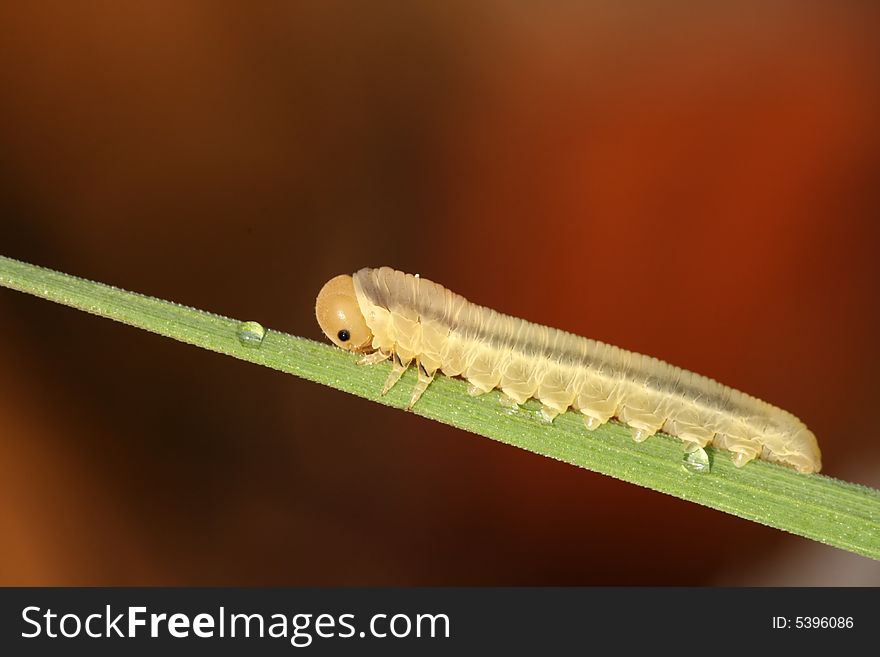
698,183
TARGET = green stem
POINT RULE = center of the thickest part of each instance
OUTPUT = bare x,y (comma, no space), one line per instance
827,510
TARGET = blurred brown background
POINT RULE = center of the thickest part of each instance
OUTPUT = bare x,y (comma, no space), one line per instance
694,182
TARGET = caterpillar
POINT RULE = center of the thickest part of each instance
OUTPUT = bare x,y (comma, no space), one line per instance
387,314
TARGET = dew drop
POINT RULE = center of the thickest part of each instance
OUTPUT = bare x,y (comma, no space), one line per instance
696,459
251,334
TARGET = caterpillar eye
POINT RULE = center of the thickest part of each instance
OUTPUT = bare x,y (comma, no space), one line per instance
340,316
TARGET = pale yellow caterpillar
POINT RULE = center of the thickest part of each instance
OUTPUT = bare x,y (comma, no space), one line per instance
385,313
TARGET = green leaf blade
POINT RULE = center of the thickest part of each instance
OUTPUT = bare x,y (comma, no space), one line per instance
834,512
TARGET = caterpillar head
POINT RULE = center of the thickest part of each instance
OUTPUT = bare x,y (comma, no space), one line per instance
340,316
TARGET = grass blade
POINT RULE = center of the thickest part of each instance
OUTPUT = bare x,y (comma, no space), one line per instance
821,508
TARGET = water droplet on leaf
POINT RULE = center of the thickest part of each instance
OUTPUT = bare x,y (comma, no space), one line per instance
251,334
696,459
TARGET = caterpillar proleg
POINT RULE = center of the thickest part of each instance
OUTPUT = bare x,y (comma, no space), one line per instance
387,314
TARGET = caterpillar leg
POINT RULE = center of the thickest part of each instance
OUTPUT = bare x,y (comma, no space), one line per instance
640,435
397,369
548,413
374,358
693,434
591,422
597,409
742,450
694,441
642,423
509,403
741,456
425,379
474,391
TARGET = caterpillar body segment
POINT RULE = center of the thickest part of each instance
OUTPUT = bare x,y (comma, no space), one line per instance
412,320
